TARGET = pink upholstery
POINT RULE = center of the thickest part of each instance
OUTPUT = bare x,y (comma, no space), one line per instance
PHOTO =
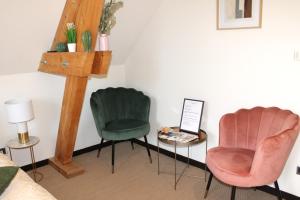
254,145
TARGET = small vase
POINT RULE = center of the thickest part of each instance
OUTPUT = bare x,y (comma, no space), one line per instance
72,47
103,42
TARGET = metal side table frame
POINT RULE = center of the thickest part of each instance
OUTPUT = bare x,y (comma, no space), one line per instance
14,144
202,138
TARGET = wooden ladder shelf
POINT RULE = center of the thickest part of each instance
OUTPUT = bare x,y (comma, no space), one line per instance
77,67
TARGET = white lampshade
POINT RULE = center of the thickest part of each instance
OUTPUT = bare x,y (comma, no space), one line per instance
19,110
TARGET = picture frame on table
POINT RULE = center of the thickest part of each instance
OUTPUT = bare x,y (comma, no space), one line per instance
239,14
191,116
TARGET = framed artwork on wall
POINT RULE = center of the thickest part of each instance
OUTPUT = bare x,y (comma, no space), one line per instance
238,14
191,115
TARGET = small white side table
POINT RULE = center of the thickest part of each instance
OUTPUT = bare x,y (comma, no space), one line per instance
33,140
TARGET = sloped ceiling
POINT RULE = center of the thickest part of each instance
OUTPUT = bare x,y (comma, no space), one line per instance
28,28
131,21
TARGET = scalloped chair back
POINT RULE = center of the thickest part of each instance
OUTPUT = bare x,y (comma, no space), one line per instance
254,145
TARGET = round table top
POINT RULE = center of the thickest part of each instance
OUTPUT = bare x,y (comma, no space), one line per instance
14,143
201,138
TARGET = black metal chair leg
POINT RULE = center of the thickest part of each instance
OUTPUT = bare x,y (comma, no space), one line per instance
233,192
208,184
147,146
279,195
99,148
132,144
113,157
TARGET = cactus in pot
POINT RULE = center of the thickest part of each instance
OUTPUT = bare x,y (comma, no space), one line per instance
87,41
61,47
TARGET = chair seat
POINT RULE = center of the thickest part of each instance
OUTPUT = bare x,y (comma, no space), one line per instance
125,129
230,165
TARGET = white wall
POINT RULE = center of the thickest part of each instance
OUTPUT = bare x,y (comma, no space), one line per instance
131,21
46,92
181,54
27,30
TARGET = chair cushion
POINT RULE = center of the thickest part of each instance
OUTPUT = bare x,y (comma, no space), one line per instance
231,160
230,165
125,129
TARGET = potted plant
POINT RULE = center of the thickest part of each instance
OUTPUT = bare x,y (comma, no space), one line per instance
108,21
61,47
71,37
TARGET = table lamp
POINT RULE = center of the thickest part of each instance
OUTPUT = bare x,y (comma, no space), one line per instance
20,112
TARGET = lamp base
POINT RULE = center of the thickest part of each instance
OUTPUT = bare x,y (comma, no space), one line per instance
23,137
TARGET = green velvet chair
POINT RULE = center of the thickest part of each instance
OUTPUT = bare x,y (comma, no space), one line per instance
121,114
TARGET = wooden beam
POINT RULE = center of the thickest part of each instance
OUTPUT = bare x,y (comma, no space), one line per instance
64,63
69,119
77,67
69,15
86,16
88,19
68,170
101,62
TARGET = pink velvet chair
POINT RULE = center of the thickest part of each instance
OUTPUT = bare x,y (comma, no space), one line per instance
254,145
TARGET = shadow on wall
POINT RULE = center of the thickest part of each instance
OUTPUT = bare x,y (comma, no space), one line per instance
211,136
154,124
46,122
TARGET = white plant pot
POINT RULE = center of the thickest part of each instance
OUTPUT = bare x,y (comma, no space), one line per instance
103,42
72,47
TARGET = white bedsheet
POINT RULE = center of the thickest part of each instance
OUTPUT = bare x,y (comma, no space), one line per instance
22,186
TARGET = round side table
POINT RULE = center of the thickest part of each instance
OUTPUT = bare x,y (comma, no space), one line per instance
202,137
33,140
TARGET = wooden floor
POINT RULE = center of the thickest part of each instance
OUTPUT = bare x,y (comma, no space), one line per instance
136,179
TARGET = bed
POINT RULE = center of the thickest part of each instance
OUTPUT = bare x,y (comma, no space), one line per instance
22,187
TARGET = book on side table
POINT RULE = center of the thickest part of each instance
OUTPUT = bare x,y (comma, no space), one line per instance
175,135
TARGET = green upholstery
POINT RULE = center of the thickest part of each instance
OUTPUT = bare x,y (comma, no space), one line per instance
120,113
125,129
6,176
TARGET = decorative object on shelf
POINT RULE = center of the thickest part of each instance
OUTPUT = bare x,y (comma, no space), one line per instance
61,47
103,42
108,21
238,14
191,116
71,37
87,41
20,111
